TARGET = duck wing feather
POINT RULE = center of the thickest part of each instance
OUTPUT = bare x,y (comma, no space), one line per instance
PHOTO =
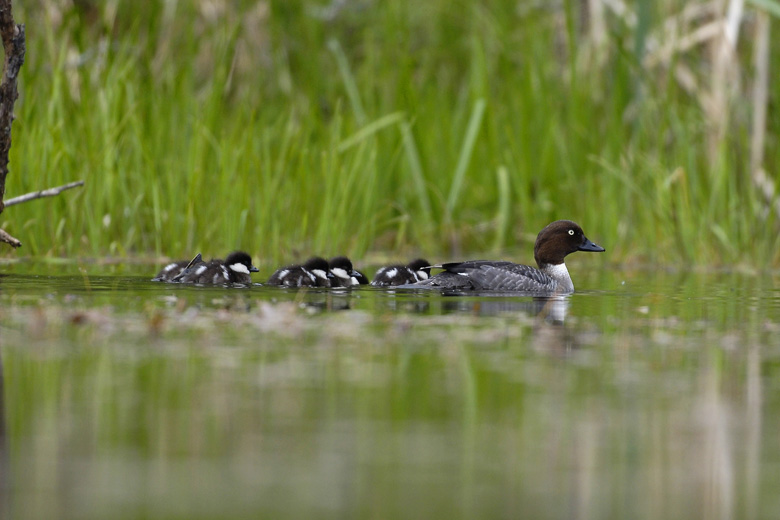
486,275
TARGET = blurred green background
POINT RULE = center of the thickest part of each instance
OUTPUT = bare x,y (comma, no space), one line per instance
386,129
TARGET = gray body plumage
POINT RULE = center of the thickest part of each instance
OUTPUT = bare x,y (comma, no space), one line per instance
553,243
486,275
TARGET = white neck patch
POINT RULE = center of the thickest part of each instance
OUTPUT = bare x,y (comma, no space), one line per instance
341,273
319,273
560,274
422,275
240,268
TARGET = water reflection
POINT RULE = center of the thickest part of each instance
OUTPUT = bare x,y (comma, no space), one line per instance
645,401
551,309
4,466
330,300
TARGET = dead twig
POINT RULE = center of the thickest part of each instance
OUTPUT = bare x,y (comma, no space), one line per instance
51,192
8,239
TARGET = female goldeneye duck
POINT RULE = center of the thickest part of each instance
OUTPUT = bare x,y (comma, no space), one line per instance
314,273
344,275
553,243
415,271
235,269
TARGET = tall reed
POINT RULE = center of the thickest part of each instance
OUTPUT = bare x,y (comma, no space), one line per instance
441,128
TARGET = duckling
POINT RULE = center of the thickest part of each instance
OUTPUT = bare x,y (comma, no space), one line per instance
344,275
415,271
315,272
235,269
170,271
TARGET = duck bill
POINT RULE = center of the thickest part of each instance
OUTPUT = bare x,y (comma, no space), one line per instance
590,246
254,269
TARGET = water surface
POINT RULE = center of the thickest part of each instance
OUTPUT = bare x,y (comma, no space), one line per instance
647,394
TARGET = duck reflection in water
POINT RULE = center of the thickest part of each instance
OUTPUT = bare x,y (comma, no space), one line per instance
330,301
552,309
549,334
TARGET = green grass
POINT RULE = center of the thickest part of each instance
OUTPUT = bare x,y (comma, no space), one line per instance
388,128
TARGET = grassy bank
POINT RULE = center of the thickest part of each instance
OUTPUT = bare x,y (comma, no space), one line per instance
441,128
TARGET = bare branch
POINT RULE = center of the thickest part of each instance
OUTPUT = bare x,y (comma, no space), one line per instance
51,192
8,239
14,46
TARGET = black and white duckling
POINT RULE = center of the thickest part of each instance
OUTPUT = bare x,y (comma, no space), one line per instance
415,271
171,271
344,275
554,242
314,273
361,278
236,268
175,270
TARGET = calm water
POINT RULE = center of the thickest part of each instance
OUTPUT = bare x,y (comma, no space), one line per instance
647,394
